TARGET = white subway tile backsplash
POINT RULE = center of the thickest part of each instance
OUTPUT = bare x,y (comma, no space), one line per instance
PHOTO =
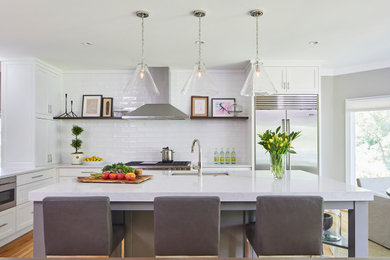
141,139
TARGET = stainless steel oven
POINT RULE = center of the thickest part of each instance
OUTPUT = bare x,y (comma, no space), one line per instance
7,193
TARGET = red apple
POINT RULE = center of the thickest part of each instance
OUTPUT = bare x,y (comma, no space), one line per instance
113,176
105,175
121,176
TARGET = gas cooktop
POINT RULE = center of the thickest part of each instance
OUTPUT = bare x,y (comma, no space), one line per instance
153,165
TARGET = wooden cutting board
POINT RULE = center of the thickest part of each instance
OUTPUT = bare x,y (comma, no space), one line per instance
138,180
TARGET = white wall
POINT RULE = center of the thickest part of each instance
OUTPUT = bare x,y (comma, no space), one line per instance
142,140
334,92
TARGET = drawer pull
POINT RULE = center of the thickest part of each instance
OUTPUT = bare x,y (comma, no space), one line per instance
3,225
37,176
87,172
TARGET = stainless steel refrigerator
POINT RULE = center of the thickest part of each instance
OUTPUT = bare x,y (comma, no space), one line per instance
292,113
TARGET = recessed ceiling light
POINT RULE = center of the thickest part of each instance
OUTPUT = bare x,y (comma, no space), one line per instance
313,42
86,43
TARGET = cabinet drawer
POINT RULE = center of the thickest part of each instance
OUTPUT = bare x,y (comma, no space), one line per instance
22,191
34,177
75,172
7,222
24,215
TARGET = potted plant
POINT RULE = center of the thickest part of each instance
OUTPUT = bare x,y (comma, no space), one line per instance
77,157
278,145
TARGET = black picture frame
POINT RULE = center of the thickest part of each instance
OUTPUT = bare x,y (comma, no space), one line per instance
106,106
98,103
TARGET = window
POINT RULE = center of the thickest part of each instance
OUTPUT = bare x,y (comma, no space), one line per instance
372,144
367,138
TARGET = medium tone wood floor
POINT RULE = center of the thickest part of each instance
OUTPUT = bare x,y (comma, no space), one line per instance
22,247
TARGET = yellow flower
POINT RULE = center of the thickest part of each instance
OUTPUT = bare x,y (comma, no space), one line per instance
285,133
289,144
270,140
269,147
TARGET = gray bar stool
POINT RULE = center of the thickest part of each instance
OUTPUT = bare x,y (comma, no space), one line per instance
287,225
186,226
80,226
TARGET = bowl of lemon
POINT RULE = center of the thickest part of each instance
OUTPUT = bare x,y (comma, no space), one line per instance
93,161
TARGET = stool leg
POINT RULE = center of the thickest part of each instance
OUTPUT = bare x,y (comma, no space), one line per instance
123,248
247,248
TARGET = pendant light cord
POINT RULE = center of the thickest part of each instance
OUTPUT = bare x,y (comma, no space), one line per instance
257,39
142,42
200,40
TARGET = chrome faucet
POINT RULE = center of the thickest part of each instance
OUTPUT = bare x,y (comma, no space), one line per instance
199,166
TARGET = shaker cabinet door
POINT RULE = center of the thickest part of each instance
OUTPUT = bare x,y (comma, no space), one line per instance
302,79
277,76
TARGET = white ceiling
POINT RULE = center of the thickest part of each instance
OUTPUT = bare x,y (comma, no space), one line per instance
350,32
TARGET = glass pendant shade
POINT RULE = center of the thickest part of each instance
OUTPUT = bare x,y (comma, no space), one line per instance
142,83
199,82
258,82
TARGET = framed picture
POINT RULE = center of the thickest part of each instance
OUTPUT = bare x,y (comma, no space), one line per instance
92,106
199,106
107,107
220,107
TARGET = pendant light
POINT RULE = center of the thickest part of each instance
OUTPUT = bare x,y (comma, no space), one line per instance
199,82
258,82
142,83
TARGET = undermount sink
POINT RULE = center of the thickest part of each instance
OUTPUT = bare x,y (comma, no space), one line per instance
204,173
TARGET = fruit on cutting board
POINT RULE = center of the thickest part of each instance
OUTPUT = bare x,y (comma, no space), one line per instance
93,159
130,176
121,176
105,175
113,176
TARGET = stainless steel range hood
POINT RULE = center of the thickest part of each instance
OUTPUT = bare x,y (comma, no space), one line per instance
160,109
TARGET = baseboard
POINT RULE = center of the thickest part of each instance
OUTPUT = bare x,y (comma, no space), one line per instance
15,235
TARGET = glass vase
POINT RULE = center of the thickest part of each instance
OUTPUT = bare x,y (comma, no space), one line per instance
278,165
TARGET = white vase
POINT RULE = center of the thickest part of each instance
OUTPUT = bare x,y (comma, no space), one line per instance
77,158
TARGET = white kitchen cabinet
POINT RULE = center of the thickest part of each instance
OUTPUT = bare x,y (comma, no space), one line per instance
302,79
47,142
24,215
7,222
295,79
277,76
30,91
47,92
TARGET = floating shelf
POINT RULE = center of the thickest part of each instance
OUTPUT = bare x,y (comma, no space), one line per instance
120,118
222,118
87,118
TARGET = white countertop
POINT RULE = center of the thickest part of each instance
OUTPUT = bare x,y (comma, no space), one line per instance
206,165
239,186
8,172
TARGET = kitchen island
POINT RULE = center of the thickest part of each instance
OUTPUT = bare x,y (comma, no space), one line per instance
237,191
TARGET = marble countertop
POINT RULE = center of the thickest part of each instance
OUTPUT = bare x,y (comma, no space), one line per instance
8,172
239,186
205,165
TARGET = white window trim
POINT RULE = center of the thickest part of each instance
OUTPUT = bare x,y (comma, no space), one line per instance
351,106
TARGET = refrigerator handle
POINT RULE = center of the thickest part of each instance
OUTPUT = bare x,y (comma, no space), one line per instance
288,161
283,125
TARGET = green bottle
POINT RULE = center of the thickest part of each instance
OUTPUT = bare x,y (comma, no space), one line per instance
227,156
216,156
233,156
221,157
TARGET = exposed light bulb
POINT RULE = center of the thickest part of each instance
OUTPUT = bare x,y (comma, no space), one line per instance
142,73
199,72
257,70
